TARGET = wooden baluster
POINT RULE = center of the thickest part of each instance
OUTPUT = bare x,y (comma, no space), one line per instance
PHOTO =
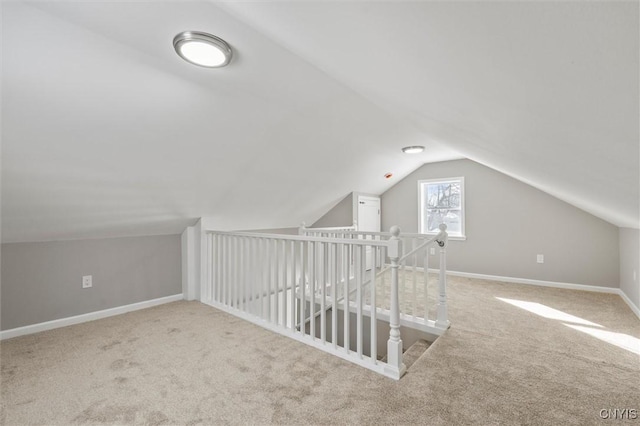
394,344
334,295
234,271
244,260
250,275
303,280
414,294
426,283
234,280
361,260
245,274
292,305
442,318
225,256
209,283
323,291
257,275
214,272
262,267
345,299
275,285
375,252
229,267
240,283
220,263
230,260
272,268
312,289
283,284
383,278
403,286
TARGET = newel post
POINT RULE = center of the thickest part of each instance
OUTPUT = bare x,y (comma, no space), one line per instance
394,366
442,320
302,229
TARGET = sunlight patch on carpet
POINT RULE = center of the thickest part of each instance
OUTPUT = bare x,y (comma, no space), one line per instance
620,340
548,312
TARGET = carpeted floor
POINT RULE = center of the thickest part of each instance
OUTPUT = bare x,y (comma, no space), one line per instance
187,363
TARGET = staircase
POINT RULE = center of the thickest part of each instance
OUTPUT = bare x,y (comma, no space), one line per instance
415,351
338,290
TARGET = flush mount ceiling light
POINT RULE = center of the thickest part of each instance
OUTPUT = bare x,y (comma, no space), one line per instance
413,149
202,49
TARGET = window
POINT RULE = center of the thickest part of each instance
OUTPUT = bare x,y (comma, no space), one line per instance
442,201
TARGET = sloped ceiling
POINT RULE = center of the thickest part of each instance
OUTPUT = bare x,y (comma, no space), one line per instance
107,132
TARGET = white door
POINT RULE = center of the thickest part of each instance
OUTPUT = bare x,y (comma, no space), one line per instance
368,219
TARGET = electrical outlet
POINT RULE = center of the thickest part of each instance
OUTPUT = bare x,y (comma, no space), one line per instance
540,258
87,281
432,251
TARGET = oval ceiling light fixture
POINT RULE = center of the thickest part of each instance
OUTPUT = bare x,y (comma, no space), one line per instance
388,175
413,149
202,49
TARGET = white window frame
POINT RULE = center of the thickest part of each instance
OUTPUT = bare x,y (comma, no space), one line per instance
421,211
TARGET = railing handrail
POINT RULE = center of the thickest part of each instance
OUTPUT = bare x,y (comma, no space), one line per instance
331,228
378,243
344,230
440,239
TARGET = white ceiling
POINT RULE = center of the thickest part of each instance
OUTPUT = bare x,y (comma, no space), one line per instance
107,132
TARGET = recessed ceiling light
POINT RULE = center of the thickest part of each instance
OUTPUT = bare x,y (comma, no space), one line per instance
413,149
202,49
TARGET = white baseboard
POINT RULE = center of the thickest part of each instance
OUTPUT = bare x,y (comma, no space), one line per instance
91,316
554,284
541,283
633,307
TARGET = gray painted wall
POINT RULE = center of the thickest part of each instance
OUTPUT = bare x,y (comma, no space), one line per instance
630,264
42,281
340,215
508,223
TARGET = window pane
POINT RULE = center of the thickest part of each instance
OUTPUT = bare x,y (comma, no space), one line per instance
443,195
452,218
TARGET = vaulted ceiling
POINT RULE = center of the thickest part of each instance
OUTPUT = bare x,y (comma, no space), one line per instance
107,132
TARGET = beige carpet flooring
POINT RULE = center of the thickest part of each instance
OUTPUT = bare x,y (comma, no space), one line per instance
187,363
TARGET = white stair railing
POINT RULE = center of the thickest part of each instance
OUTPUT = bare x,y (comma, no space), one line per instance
310,288
420,307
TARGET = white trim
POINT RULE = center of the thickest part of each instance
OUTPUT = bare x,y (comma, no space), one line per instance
628,301
529,281
554,284
91,316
